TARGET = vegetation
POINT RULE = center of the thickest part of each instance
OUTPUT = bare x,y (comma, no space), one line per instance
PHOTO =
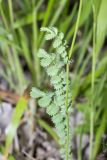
58,102
73,91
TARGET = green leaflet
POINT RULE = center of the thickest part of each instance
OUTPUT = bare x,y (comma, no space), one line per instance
60,103
60,100
61,49
50,94
63,111
52,109
44,101
46,62
61,134
55,30
56,79
61,36
60,127
46,59
64,54
42,53
57,118
58,86
52,70
49,36
61,65
36,93
59,92
51,32
57,42
45,29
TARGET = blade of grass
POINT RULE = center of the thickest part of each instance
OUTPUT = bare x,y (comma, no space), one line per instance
76,28
84,15
19,73
92,85
15,121
100,69
46,18
58,12
28,19
25,51
77,80
3,16
102,126
64,26
9,42
82,50
62,4
101,25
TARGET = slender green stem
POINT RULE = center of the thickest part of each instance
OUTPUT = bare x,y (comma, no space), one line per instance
80,147
11,12
56,15
76,28
67,80
92,86
6,26
3,16
67,113
46,19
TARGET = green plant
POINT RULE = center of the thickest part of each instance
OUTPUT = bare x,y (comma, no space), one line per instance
20,40
55,101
